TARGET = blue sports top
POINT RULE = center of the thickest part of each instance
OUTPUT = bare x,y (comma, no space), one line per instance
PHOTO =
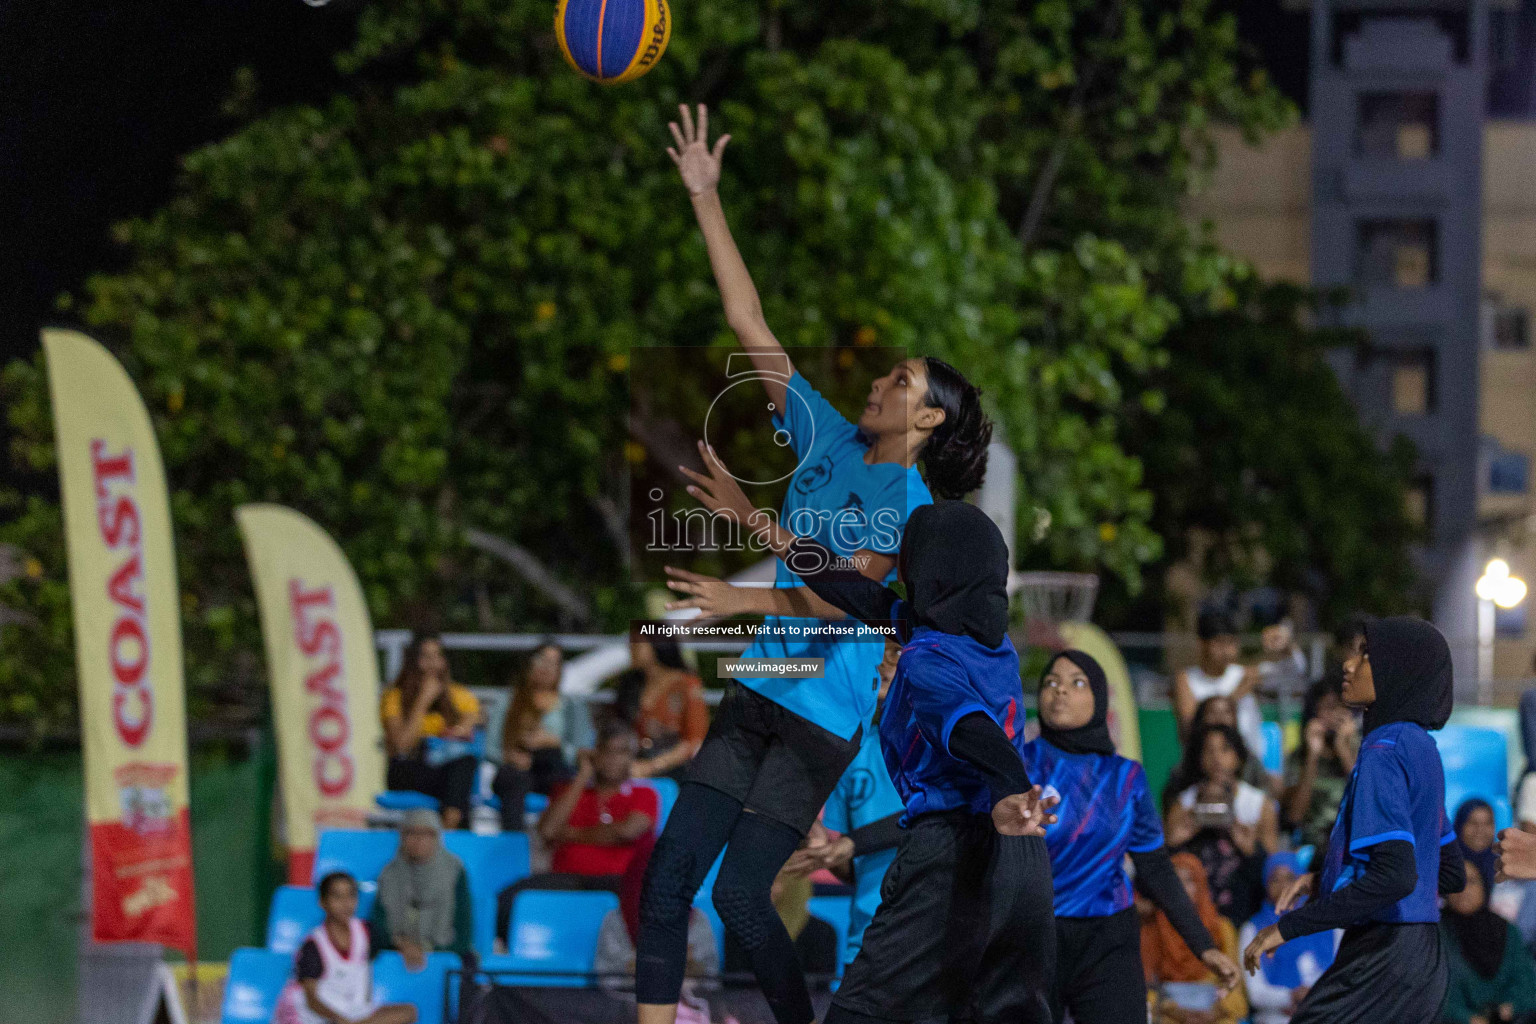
1396,791
941,678
1106,811
845,504
863,796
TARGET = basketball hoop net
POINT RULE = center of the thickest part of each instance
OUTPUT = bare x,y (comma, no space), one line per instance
1050,598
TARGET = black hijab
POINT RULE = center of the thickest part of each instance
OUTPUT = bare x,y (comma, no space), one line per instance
1411,666
1093,737
955,566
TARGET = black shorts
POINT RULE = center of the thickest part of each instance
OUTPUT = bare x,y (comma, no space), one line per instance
1099,978
964,929
772,760
1383,972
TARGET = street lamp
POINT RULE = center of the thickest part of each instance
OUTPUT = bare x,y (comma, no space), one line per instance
1496,588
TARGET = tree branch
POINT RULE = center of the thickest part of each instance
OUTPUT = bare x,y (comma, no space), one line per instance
534,572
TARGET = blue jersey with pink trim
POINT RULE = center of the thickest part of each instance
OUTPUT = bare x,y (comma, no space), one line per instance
940,679
1396,791
1106,811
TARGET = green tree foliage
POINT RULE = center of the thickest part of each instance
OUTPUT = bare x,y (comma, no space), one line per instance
1262,470
409,311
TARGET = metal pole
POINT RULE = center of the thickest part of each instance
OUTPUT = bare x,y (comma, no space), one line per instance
1485,629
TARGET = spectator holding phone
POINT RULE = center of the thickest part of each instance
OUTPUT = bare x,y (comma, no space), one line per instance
1184,988
1227,823
1317,771
1211,711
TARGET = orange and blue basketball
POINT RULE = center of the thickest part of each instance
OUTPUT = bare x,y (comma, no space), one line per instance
612,41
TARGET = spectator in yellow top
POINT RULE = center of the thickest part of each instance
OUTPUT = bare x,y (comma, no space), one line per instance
429,725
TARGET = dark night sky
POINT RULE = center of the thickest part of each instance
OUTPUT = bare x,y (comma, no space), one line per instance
98,98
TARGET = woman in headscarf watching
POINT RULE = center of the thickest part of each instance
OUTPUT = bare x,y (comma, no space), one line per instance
1175,970
1492,976
1106,812
1391,852
423,903
1474,837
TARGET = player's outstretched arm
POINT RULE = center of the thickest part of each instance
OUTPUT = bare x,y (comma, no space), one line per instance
699,166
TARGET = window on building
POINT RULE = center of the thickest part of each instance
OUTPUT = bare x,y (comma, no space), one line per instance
1509,473
1396,254
1421,503
1413,383
1505,325
1398,126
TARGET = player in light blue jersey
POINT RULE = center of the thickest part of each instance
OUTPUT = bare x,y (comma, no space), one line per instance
1105,814
778,745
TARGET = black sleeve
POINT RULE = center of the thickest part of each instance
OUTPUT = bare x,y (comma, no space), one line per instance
1158,881
842,587
1389,876
981,742
307,965
1453,870
877,835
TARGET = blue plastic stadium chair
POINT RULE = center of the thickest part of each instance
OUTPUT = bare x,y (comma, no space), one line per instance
406,800
666,796
1274,752
836,911
425,990
1304,855
294,914
492,863
360,853
1476,765
554,932
535,803
256,979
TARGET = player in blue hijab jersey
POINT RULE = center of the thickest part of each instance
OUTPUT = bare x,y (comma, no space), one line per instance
1106,813
964,928
1391,851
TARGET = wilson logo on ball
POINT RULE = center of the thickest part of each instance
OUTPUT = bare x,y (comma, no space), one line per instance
612,41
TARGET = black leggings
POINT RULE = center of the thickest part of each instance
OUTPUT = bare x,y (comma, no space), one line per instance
1098,969
450,783
702,823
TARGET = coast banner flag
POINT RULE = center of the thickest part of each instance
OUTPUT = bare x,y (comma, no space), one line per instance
127,620
324,674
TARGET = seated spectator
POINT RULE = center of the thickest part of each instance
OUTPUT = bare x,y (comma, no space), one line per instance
816,942
1475,834
663,703
616,936
594,824
1492,976
423,903
332,976
429,728
1284,978
1173,973
1218,674
1228,824
541,734
1317,771
1212,711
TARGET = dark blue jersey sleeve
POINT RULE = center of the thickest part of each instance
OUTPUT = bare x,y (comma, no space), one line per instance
1380,811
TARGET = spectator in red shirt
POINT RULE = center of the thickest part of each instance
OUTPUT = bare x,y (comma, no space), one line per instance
593,824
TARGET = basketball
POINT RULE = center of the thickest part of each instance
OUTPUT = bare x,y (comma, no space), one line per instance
612,41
